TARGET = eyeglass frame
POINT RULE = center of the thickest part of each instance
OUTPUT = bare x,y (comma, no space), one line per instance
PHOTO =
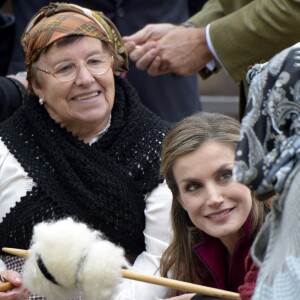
53,74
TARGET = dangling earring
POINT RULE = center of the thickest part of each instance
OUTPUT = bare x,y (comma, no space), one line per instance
41,101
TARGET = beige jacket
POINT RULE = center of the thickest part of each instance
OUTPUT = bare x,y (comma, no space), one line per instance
245,32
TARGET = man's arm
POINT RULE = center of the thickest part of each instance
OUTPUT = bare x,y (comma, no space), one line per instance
254,33
212,10
168,48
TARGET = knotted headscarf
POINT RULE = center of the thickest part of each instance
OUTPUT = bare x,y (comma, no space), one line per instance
58,20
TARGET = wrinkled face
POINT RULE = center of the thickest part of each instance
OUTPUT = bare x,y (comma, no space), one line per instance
85,101
214,202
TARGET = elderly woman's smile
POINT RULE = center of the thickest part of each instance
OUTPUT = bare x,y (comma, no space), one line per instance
88,97
75,96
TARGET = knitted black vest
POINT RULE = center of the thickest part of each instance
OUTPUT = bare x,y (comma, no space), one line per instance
103,185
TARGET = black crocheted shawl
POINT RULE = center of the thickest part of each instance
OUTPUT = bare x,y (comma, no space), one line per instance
103,185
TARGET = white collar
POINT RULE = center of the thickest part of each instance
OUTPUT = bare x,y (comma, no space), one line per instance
101,133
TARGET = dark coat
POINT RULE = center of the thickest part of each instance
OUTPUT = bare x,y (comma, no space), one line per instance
11,97
7,29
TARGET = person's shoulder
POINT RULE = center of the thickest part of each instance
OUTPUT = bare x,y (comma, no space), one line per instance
12,94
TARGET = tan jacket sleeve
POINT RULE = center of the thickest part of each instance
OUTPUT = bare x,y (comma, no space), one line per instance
254,33
245,32
212,10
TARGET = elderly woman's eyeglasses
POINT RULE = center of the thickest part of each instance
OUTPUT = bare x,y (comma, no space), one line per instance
68,70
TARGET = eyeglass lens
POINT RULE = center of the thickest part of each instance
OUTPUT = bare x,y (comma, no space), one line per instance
67,71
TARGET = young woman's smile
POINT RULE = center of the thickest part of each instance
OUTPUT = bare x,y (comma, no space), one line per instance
220,215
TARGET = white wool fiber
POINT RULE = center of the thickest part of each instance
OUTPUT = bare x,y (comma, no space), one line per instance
61,245
100,273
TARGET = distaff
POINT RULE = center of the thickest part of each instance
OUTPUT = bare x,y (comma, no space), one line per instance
171,283
50,274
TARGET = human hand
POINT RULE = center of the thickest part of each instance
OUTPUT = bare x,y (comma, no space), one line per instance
183,51
151,32
182,297
141,45
21,77
19,292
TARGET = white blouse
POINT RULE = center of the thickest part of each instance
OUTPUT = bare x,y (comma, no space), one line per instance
15,183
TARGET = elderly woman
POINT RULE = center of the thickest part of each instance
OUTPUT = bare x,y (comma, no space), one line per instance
83,146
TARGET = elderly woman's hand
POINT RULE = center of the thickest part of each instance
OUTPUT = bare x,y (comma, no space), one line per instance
19,292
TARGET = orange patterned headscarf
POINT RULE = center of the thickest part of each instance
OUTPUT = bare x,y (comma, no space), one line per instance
58,20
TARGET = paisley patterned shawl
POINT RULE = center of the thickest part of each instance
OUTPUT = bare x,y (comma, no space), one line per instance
269,142
267,160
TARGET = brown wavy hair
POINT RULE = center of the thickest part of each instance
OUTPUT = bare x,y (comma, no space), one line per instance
178,260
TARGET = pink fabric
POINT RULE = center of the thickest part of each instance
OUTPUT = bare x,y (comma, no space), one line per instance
213,254
246,290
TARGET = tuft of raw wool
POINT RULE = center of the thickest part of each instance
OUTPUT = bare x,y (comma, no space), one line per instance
77,258
99,275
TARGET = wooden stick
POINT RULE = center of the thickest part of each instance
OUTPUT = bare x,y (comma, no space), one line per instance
171,283
17,252
180,285
6,286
